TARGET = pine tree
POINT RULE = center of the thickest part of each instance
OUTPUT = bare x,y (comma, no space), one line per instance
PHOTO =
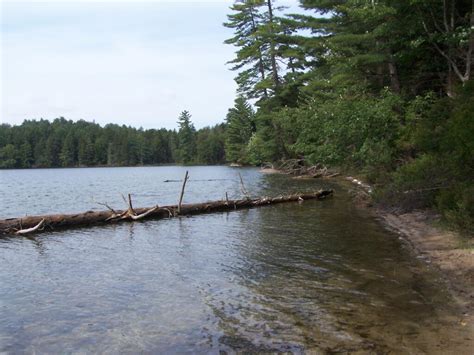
25,155
256,33
240,127
85,154
67,155
8,156
186,138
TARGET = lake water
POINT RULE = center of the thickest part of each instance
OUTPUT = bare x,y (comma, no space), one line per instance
316,277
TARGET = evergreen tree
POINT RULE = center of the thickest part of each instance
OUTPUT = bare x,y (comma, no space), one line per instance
85,151
240,127
210,145
246,21
66,143
67,156
25,155
186,138
8,156
256,31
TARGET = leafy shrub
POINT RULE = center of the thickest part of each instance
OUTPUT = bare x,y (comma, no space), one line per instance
441,176
416,184
457,206
352,131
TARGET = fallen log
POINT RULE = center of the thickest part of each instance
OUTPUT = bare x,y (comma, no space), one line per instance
36,224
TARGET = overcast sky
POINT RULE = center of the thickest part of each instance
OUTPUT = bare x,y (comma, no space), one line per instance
137,63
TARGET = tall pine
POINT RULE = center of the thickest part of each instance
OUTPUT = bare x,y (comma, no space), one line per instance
186,138
240,127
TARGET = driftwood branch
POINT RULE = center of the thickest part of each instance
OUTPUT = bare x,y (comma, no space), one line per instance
114,214
144,214
242,188
106,206
34,224
30,230
182,191
130,206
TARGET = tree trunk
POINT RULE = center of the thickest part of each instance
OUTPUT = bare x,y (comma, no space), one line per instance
35,224
261,67
394,80
276,79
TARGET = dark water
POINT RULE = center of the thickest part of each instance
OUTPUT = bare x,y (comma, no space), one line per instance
316,277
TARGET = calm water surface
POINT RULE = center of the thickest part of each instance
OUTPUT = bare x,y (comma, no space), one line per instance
316,277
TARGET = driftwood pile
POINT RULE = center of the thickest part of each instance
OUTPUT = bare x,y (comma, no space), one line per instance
35,224
298,168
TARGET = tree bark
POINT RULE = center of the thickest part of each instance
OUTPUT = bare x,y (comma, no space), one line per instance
276,79
261,67
393,72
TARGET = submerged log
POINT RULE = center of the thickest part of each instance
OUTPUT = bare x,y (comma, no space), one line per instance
35,224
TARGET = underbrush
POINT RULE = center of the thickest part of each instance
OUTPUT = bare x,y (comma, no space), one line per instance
440,174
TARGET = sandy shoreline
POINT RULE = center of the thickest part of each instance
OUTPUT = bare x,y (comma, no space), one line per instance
445,250
442,249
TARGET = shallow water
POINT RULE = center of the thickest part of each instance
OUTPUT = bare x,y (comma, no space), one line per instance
320,276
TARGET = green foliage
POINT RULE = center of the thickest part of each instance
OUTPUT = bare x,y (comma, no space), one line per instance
365,85
256,29
266,143
64,143
240,127
256,150
457,206
186,138
416,183
440,175
210,145
380,87
8,156
355,131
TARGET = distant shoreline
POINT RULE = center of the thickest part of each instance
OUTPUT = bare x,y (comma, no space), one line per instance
115,166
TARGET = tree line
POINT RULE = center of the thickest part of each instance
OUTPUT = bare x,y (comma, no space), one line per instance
382,88
379,87
64,143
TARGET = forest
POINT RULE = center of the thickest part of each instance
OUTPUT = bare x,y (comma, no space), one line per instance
64,143
379,88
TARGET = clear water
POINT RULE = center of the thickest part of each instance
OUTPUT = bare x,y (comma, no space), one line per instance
317,277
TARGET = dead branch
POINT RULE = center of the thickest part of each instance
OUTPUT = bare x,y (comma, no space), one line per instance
30,230
182,191
143,215
242,188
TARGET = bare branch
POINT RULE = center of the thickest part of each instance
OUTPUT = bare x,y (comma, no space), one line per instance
107,206
443,53
140,216
242,187
186,177
30,230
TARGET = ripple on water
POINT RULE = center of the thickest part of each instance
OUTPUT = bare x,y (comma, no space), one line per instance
317,276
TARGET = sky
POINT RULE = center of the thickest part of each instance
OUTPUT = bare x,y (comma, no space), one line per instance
138,63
